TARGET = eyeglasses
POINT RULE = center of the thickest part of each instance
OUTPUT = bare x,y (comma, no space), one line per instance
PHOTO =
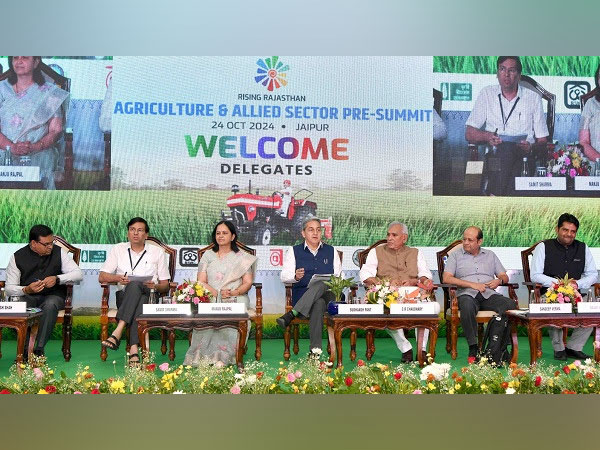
46,244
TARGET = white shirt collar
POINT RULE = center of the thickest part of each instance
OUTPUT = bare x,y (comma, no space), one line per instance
318,248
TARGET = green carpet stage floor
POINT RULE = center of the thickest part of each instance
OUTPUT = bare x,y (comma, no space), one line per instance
87,352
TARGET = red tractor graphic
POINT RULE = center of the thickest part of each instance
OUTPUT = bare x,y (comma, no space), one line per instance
259,218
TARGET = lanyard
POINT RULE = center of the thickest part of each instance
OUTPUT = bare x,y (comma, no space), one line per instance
505,121
131,261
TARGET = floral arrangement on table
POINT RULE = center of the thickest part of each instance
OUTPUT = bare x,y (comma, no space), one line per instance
386,293
564,290
309,377
568,162
337,285
191,292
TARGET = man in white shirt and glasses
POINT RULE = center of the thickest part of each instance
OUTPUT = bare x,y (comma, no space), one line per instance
137,259
509,119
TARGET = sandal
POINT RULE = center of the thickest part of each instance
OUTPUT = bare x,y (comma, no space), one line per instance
134,363
110,344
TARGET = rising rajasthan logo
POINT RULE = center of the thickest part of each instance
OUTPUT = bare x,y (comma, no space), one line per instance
271,73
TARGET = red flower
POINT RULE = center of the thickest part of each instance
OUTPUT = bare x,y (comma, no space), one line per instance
88,376
5,391
397,376
50,389
555,155
538,381
566,370
566,391
360,363
471,359
95,391
259,375
556,373
348,381
151,367
504,385
588,375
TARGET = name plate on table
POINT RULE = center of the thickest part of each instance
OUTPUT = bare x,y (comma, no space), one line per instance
19,173
348,309
13,307
587,183
550,308
166,309
588,307
428,308
540,183
222,308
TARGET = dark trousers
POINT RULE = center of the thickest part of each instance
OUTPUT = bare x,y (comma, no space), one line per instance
503,167
470,306
313,305
50,305
130,303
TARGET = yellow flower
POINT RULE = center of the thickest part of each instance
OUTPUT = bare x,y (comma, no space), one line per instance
202,385
572,366
42,391
457,386
468,384
272,386
386,374
22,366
430,386
117,387
304,387
296,390
451,391
511,384
483,387
50,372
86,368
550,382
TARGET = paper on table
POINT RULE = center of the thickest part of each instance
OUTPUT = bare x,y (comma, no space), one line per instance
141,279
515,139
319,277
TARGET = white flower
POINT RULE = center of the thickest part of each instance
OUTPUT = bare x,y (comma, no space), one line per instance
555,168
439,371
179,392
510,391
316,351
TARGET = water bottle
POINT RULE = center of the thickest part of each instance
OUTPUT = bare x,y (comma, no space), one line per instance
591,295
7,156
25,160
152,299
525,170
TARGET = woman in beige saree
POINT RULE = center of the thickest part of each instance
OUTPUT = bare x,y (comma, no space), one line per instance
228,273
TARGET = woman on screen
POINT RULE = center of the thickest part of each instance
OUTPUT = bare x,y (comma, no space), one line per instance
589,128
31,116
228,274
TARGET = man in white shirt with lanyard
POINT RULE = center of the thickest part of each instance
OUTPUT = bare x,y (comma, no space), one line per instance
514,120
133,258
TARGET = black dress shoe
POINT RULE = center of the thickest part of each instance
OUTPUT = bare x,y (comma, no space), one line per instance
577,354
285,320
407,356
560,355
38,352
424,354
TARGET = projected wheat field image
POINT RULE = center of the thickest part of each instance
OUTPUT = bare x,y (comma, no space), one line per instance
359,218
